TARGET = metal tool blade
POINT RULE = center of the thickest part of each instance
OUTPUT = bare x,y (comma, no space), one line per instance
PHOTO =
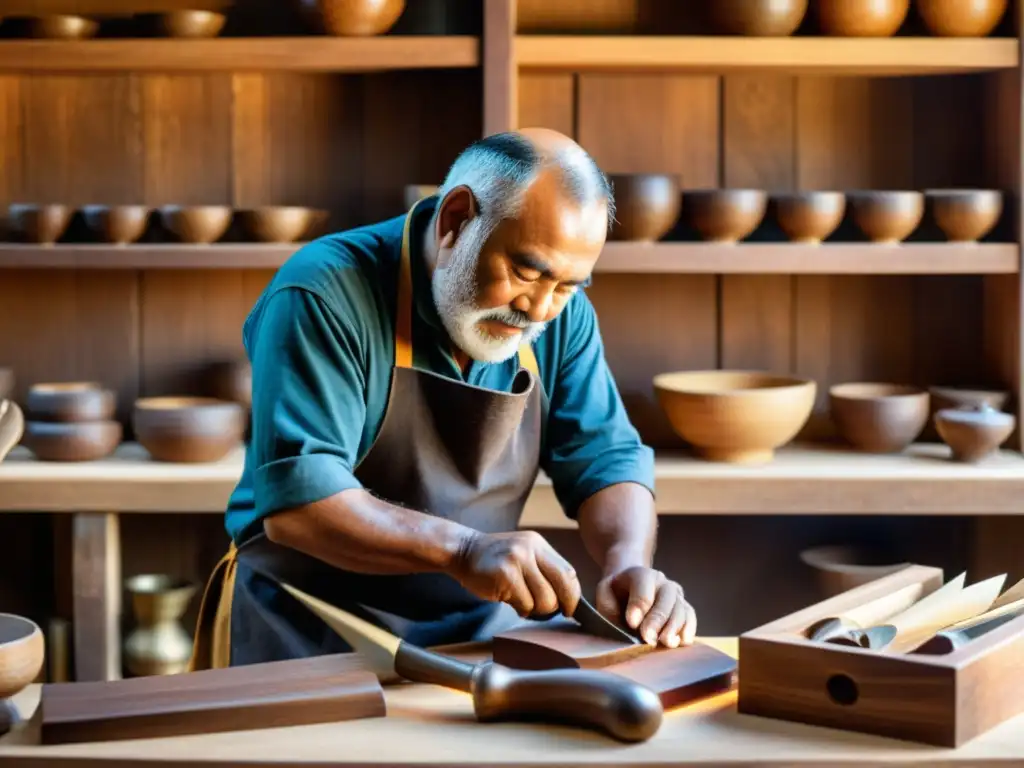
594,622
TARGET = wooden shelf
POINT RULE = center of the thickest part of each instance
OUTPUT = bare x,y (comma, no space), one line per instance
860,56
618,257
313,53
801,480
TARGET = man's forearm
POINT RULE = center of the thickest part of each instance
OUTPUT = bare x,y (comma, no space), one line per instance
356,531
619,526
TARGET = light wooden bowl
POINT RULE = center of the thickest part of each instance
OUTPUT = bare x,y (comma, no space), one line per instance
22,652
839,568
725,215
878,417
188,429
886,216
974,433
72,441
646,205
965,215
197,224
961,18
756,18
120,224
41,224
809,217
738,417
192,24
861,18
278,224
353,18
58,27
70,402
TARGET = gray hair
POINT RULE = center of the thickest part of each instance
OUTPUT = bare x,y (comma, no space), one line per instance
499,168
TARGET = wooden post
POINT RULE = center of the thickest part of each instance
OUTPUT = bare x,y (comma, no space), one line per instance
500,69
96,571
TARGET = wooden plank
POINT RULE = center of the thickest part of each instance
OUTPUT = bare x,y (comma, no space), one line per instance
500,71
96,572
548,100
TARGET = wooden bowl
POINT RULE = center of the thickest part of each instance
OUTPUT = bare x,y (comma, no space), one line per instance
72,441
70,402
861,18
961,18
646,205
886,217
739,417
22,652
65,27
958,397
756,18
7,381
197,224
277,224
41,224
353,18
878,418
118,224
188,429
839,568
809,217
725,215
413,193
231,381
192,24
974,433
965,215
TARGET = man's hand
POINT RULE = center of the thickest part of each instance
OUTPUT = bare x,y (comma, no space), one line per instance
651,602
518,568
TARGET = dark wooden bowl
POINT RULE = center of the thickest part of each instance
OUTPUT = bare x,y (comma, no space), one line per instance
7,382
878,418
965,215
278,224
353,18
646,205
192,24
725,215
197,223
64,27
21,653
886,216
118,224
861,18
188,429
231,381
809,217
973,433
43,224
756,18
958,397
70,402
961,18
72,441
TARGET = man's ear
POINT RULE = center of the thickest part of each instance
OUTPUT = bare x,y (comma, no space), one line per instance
454,212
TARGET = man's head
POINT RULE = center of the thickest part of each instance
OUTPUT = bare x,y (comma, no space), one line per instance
521,220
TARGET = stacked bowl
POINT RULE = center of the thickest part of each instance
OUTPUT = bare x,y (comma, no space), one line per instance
71,421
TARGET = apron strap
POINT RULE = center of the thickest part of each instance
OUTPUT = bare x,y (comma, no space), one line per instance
211,648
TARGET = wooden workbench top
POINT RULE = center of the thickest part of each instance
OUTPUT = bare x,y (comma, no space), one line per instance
427,725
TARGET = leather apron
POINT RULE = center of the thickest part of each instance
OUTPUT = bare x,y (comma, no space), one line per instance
445,448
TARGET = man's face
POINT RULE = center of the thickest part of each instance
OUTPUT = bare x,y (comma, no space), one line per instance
494,291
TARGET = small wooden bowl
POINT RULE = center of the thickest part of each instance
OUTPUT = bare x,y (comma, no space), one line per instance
120,224
7,381
809,217
974,433
41,224
878,418
756,18
192,24
188,429
413,193
70,402
354,18
725,215
72,441
277,224
22,652
197,224
861,18
961,18
63,27
739,417
231,381
965,215
886,217
958,397
840,568
646,205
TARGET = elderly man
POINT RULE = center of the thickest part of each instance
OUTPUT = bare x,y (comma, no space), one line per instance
410,378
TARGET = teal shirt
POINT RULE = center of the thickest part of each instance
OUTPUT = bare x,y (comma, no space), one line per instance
321,343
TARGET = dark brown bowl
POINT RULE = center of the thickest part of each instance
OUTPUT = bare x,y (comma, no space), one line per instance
958,397
886,216
197,223
72,441
725,215
809,217
278,224
118,224
188,429
646,205
756,18
965,215
57,27
961,18
861,18
231,381
974,433
7,382
70,402
878,418
353,18
42,224
192,24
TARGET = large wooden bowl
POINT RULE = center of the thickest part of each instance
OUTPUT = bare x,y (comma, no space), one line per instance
41,224
886,216
198,223
646,205
353,18
70,402
118,224
739,417
961,18
278,224
72,441
66,27
188,429
809,217
22,652
965,215
878,417
974,433
756,18
192,24
861,18
725,215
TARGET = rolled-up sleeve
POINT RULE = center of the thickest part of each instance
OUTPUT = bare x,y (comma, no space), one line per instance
590,442
308,406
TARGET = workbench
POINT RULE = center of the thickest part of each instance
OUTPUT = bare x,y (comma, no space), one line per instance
427,725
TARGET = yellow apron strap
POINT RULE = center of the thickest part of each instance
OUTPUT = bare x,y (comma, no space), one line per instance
211,647
403,316
528,360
